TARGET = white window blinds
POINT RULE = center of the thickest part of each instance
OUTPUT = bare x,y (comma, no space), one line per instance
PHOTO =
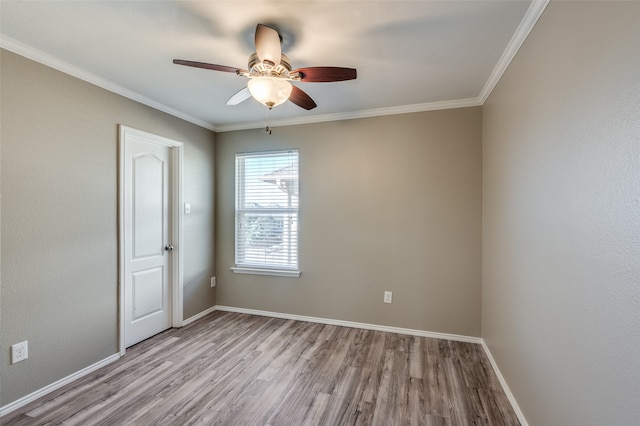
267,210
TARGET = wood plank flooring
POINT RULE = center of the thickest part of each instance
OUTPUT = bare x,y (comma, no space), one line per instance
237,369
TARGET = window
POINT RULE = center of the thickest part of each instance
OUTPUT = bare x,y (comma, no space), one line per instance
267,213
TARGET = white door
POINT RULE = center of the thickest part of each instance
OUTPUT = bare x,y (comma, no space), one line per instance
147,241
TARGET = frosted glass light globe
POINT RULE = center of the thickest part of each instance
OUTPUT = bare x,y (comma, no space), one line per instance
269,91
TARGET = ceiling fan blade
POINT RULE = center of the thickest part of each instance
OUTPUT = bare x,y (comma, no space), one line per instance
300,98
206,66
326,74
268,46
239,96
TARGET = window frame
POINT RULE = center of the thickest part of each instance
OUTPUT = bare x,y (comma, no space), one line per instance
239,194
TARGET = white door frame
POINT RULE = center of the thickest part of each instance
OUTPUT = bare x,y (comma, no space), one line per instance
175,225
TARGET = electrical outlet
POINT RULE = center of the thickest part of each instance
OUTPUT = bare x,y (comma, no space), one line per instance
213,281
388,297
19,352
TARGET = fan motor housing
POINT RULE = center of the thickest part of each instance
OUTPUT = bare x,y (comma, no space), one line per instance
259,68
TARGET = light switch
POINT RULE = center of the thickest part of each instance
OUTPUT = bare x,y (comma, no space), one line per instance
187,208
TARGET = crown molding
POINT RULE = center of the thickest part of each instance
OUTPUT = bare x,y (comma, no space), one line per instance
36,55
526,25
404,109
534,12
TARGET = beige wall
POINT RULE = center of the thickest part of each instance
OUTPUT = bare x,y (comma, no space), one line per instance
389,203
59,180
561,241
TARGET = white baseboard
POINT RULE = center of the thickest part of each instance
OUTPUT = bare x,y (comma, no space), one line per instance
505,387
365,326
56,385
198,316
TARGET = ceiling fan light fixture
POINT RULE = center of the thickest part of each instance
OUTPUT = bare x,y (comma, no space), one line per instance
269,91
270,73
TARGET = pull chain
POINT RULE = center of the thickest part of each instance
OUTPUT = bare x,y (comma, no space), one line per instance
268,128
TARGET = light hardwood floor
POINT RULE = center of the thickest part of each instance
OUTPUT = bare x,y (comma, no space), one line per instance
238,369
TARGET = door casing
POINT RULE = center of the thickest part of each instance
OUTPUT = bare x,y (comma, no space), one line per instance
176,286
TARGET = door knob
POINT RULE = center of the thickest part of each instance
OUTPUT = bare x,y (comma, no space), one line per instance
168,247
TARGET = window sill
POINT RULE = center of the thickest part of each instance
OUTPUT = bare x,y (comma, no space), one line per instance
272,272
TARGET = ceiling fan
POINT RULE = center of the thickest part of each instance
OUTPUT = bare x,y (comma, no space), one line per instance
270,73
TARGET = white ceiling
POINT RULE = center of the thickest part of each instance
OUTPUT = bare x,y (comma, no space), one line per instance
410,55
